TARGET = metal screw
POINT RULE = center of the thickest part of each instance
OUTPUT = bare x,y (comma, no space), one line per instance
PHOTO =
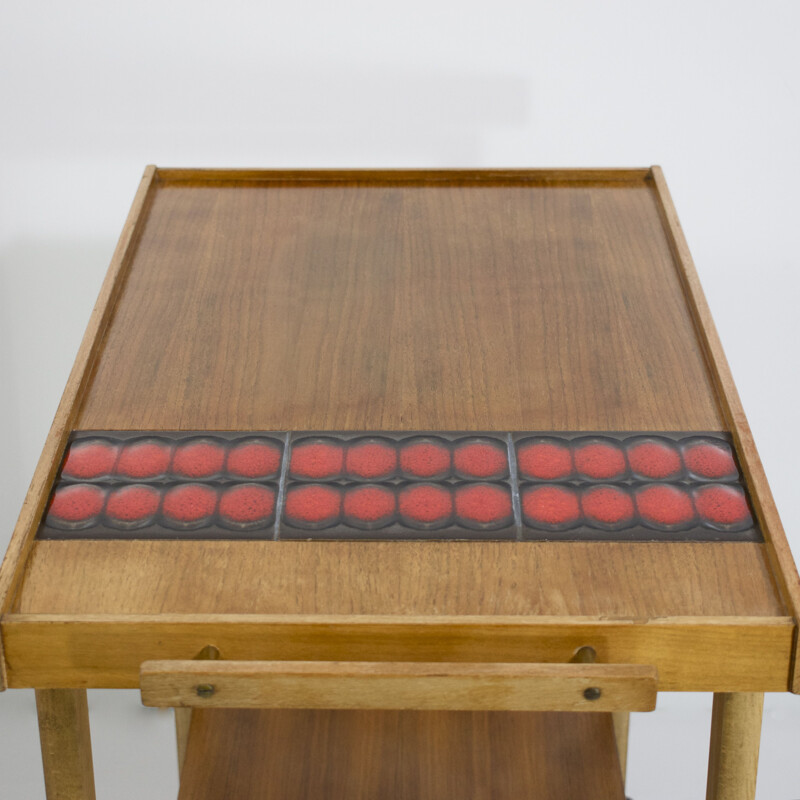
206,690
592,693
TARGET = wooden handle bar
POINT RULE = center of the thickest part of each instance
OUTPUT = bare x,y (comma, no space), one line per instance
399,685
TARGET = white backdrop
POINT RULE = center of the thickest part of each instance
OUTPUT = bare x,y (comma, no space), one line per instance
90,92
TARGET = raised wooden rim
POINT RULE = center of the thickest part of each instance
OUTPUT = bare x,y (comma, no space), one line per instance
562,175
777,546
77,384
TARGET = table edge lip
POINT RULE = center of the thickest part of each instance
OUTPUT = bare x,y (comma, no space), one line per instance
738,654
178,175
396,620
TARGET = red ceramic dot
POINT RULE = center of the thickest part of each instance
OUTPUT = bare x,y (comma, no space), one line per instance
608,505
426,504
371,459
369,503
652,459
481,459
143,460
551,505
89,459
545,461
599,460
711,461
313,504
76,503
424,459
254,459
245,504
722,505
317,460
132,503
665,505
189,503
483,504
198,459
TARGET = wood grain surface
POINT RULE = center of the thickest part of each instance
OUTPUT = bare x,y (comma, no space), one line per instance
392,755
735,742
66,744
183,720
505,304
633,580
622,724
195,176
635,583
701,654
409,685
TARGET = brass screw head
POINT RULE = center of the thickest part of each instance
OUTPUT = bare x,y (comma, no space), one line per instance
592,693
205,690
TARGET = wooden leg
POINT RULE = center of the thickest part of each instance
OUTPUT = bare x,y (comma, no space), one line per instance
735,738
66,746
183,719
621,725
183,716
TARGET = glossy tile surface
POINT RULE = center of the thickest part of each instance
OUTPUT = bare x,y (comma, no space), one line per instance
431,485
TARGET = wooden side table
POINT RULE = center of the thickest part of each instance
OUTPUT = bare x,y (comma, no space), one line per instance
389,473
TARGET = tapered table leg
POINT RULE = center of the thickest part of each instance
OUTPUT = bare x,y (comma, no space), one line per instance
622,721
183,719
66,745
735,739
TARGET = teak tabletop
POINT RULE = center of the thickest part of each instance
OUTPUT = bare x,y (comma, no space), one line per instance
403,302
440,416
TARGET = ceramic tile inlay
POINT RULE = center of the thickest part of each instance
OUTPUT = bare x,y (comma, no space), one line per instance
443,485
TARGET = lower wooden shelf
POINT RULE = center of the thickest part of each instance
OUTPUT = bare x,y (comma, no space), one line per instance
400,755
